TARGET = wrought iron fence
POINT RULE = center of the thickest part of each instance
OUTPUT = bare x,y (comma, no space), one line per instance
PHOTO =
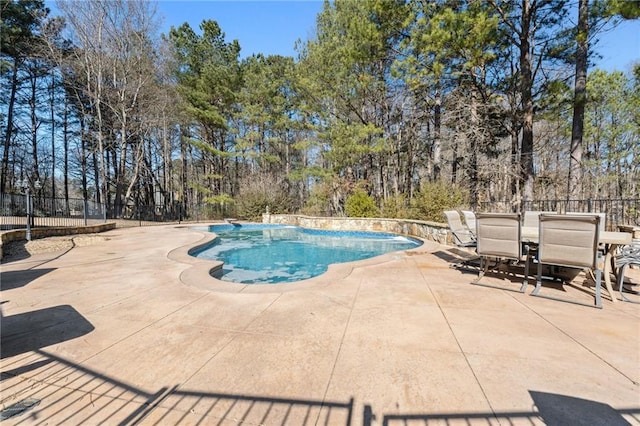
177,212
49,212
55,212
76,212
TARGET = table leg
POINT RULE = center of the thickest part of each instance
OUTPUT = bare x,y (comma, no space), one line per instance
607,269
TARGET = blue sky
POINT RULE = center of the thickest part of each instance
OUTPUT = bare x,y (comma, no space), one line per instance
619,48
271,27
266,26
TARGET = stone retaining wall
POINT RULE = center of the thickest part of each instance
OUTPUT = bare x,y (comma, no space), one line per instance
431,231
21,234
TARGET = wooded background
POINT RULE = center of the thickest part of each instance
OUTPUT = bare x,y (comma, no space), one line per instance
393,108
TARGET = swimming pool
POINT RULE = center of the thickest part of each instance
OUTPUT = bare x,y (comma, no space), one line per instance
269,254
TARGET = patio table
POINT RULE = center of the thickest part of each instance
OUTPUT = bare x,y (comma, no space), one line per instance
610,240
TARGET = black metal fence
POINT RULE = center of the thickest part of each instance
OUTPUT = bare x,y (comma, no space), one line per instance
176,212
50,212
76,212
60,212
618,211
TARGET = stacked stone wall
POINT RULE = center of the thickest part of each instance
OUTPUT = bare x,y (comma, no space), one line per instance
431,231
20,234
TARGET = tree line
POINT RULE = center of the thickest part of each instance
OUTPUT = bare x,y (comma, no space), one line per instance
392,108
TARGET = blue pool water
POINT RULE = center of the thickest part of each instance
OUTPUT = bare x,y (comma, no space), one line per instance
263,254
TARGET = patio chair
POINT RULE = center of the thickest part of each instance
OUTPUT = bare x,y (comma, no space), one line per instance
469,220
530,219
498,237
569,241
629,255
602,216
461,235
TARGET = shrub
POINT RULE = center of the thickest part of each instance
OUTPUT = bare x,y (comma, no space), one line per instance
319,201
361,204
434,198
259,192
396,207
216,207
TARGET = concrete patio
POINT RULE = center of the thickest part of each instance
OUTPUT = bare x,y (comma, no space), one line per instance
131,330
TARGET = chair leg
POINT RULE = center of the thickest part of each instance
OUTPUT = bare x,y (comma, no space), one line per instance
483,269
538,280
525,281
598,288
621,272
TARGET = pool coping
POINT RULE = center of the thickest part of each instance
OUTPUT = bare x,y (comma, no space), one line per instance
201,273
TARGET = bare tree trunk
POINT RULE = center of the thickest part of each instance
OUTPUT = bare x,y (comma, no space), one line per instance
9,130
183,159
580,99
96,177
88,24
454,160
526,84
34,124
120,165
473,139
437,149
65,133
167,170
101,175
53,135
84,156
515,165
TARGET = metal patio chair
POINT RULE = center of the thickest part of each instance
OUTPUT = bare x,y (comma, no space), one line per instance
461,235
498,237
469,220
629,255
569,241
602,216
530,218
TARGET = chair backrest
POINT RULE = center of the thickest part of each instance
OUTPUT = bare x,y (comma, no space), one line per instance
459,231
469,220
603,218
569,240
498,235
530,219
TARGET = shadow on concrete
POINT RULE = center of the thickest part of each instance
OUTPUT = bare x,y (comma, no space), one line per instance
16,279
459,260
191,407
447,257
552,409
98,398
34,330
455,255
23,369
557,409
